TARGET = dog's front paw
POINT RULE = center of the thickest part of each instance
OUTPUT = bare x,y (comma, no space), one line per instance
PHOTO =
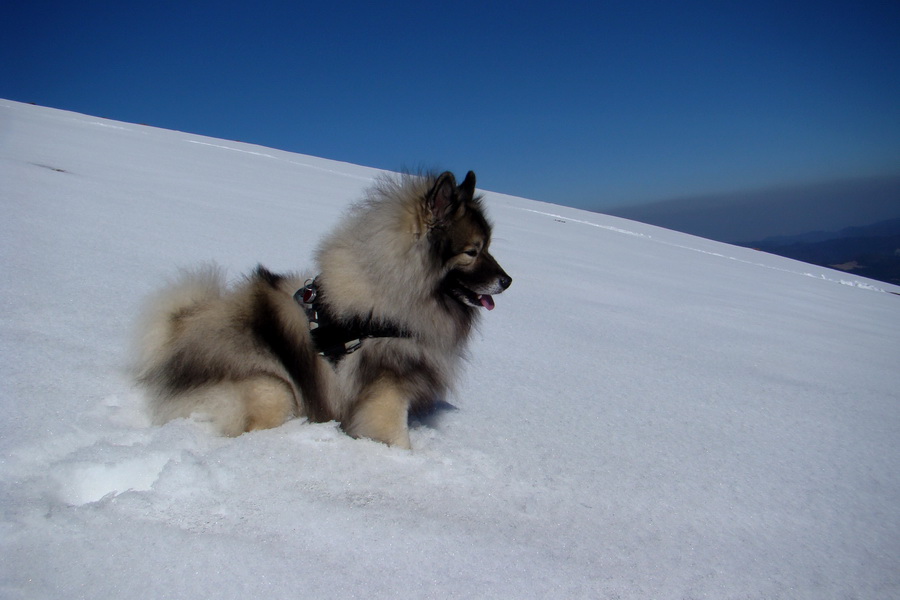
381,415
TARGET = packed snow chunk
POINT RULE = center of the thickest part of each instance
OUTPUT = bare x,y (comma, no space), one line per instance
110,471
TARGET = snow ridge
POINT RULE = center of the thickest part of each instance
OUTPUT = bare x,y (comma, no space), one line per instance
644,415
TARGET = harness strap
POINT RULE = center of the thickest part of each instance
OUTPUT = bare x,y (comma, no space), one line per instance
336,339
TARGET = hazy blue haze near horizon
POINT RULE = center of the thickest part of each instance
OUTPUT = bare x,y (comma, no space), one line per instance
753,215
593,106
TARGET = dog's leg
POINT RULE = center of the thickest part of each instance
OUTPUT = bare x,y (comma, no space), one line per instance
381,414
268,402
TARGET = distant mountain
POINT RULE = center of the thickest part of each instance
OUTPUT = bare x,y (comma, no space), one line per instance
799,222
881,229
872,251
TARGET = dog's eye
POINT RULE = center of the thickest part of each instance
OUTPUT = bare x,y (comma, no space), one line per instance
471,252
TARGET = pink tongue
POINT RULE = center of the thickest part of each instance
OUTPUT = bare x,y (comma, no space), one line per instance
487,301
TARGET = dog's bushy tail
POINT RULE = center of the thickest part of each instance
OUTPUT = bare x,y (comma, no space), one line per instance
155,328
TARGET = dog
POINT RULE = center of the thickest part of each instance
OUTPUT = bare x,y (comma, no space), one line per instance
377,333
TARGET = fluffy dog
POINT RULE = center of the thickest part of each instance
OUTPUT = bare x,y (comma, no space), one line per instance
378,332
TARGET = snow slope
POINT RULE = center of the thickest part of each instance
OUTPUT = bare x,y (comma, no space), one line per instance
645,414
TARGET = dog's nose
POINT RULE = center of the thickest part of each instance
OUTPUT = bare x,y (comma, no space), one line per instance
505,281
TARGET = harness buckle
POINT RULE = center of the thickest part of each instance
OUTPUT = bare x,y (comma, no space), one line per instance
309,292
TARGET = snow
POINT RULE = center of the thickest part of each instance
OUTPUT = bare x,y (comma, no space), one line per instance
646,414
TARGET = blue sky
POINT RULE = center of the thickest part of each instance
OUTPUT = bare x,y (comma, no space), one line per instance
589,104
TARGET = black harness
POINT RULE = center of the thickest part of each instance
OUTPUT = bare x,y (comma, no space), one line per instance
336,339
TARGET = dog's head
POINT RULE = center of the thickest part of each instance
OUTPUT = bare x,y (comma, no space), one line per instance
460,236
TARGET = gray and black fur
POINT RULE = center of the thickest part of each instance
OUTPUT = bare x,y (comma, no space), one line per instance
413,257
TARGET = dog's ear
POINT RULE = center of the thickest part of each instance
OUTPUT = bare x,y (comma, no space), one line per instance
467,187
442,200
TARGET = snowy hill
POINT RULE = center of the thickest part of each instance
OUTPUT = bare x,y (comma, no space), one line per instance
645,414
